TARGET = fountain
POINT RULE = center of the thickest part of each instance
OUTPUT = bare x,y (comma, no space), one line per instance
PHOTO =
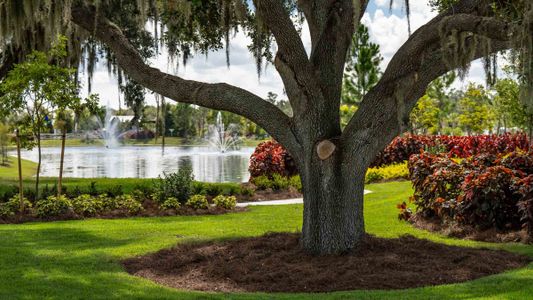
221,139
108,128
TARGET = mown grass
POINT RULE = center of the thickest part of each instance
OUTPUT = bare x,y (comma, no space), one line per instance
10,171
80,259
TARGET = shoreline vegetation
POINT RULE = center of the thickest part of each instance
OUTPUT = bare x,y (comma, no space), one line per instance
169,141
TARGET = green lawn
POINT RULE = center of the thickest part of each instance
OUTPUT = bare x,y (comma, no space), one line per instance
79,259
10,172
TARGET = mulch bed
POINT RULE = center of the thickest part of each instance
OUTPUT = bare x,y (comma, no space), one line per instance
151,209
269,194
470,233
276,263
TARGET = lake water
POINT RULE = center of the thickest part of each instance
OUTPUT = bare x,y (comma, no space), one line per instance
145,162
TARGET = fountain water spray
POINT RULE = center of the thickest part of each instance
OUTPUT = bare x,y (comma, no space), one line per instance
108,128
221,139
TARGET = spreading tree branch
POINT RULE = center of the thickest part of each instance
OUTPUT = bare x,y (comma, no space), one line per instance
220,96
386,108
291,59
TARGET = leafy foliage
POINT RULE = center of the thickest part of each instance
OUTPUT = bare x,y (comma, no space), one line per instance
12,207
362,70
483,191
178,185
170,203
52,206
271,158
197,202
226,202
86,205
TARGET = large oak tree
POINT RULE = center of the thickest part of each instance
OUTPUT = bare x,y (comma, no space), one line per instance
332,162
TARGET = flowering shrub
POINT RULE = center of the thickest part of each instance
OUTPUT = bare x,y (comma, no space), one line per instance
271,158
483,191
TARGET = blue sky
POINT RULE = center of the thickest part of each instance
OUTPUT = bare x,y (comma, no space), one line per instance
388,29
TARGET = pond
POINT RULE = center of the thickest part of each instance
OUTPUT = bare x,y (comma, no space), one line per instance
145,162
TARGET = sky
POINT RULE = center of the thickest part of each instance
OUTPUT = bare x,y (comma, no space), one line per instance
386,28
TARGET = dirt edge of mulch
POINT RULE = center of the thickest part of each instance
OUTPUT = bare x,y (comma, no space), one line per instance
275,263
470,233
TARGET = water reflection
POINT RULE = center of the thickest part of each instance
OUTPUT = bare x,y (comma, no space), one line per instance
145,162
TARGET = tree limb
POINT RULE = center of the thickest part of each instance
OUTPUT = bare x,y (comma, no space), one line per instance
220,96
385,109
291,59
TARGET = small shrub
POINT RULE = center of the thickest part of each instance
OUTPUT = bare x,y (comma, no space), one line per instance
86,205
262,182
178,185
488,199
247,191
279,182
52,206
296,182
12,207
405,212
170,203
390,172
271,158
128,203
226,202
197,202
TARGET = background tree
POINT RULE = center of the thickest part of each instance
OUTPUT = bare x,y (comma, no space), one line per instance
425,117
509,111
476,114
332,161
4,141
35,87
134,97
362,70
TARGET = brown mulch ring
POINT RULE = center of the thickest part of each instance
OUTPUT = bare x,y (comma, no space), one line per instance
275,263
469,232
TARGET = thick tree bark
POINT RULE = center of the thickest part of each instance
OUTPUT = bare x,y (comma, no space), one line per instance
333,206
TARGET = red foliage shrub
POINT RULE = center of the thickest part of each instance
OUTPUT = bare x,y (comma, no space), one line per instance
271,158
484,190
401,148
488,199
437,180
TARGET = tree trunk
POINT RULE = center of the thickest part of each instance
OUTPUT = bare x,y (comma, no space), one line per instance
333,220
62,160
39,159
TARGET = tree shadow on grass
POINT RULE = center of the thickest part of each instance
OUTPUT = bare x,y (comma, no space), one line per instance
72,263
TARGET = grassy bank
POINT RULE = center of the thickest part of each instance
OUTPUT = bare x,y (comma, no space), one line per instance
80,259
10,171
169,141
